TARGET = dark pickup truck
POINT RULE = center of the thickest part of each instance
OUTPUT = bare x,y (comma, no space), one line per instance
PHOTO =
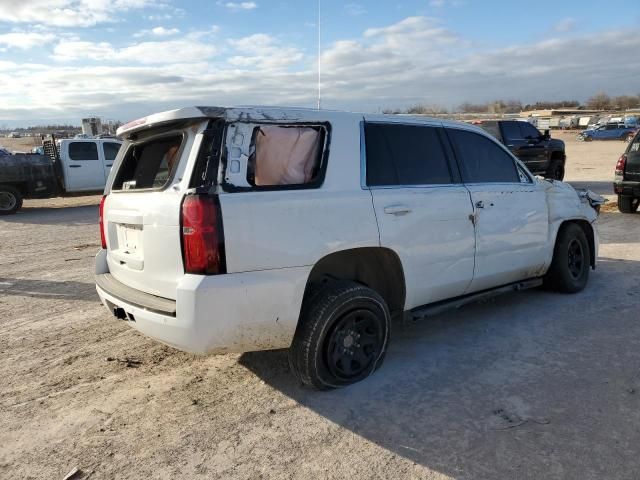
25,176
627,177
69,167
541,154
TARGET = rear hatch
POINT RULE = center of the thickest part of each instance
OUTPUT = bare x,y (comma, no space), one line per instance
632,170
142,208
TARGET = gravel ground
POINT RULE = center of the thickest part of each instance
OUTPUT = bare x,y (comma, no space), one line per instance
529,385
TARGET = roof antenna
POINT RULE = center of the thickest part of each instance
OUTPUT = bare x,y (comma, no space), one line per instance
319,71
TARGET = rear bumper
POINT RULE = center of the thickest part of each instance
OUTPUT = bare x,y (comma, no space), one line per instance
235,312
627,187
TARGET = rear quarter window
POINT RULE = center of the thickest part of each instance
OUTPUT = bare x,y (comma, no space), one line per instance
149,165
273,156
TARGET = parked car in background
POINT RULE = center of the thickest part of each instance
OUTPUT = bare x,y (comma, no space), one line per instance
609,131
14,135
627,177
239,229
70,166
541,154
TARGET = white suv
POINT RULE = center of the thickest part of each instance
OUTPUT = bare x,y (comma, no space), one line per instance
238,229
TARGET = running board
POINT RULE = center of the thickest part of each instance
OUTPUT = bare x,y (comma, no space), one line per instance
439,307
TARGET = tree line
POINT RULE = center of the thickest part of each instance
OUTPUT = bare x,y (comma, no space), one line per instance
599,101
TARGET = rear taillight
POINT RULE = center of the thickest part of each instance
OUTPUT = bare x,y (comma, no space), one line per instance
103,237
202,235
620,166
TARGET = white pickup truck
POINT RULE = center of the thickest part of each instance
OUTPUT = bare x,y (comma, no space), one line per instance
237,229
68,167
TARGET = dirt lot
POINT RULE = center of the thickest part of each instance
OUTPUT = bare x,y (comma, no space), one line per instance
530,385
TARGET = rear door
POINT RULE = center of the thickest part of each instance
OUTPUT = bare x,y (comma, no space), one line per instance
110,151
83,166
510,211
423,210
142,209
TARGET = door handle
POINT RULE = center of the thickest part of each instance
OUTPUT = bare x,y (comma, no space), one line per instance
397,210
75,166
108,164
480,204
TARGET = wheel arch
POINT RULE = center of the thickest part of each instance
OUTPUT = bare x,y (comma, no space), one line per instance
378,268
21,187
587,228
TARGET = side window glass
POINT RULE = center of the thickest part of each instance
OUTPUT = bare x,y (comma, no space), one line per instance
483,161
529,132
284,156
524,178
83,151
491,128
405,155
111,150
511,131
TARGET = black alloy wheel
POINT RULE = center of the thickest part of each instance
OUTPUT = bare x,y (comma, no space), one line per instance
354,344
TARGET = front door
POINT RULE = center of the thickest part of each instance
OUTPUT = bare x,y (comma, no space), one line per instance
422,208
83,166
510,212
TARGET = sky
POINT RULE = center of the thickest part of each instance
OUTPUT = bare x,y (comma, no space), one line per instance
62,60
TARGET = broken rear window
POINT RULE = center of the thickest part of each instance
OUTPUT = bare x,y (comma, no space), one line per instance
149,165
272,156
284,156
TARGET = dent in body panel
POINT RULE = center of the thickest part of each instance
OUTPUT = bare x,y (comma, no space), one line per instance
564,203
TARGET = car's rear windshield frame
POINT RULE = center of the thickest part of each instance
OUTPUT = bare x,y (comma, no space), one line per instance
141,141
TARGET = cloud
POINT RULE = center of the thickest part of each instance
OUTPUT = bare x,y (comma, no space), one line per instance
157,31
442,3
241,5
354,9
67,13
263,52
157,52
565,25
24,40
394,65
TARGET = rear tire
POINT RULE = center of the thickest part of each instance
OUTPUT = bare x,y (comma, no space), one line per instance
10,200
342,336
555,170
628,204
569,271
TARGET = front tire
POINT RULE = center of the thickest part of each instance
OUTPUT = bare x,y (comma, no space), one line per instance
342,336
628,204
569,271
10,200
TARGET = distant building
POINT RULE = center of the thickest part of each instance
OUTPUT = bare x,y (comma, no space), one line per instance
92,126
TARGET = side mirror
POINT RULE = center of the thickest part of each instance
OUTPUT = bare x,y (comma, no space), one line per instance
546,135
